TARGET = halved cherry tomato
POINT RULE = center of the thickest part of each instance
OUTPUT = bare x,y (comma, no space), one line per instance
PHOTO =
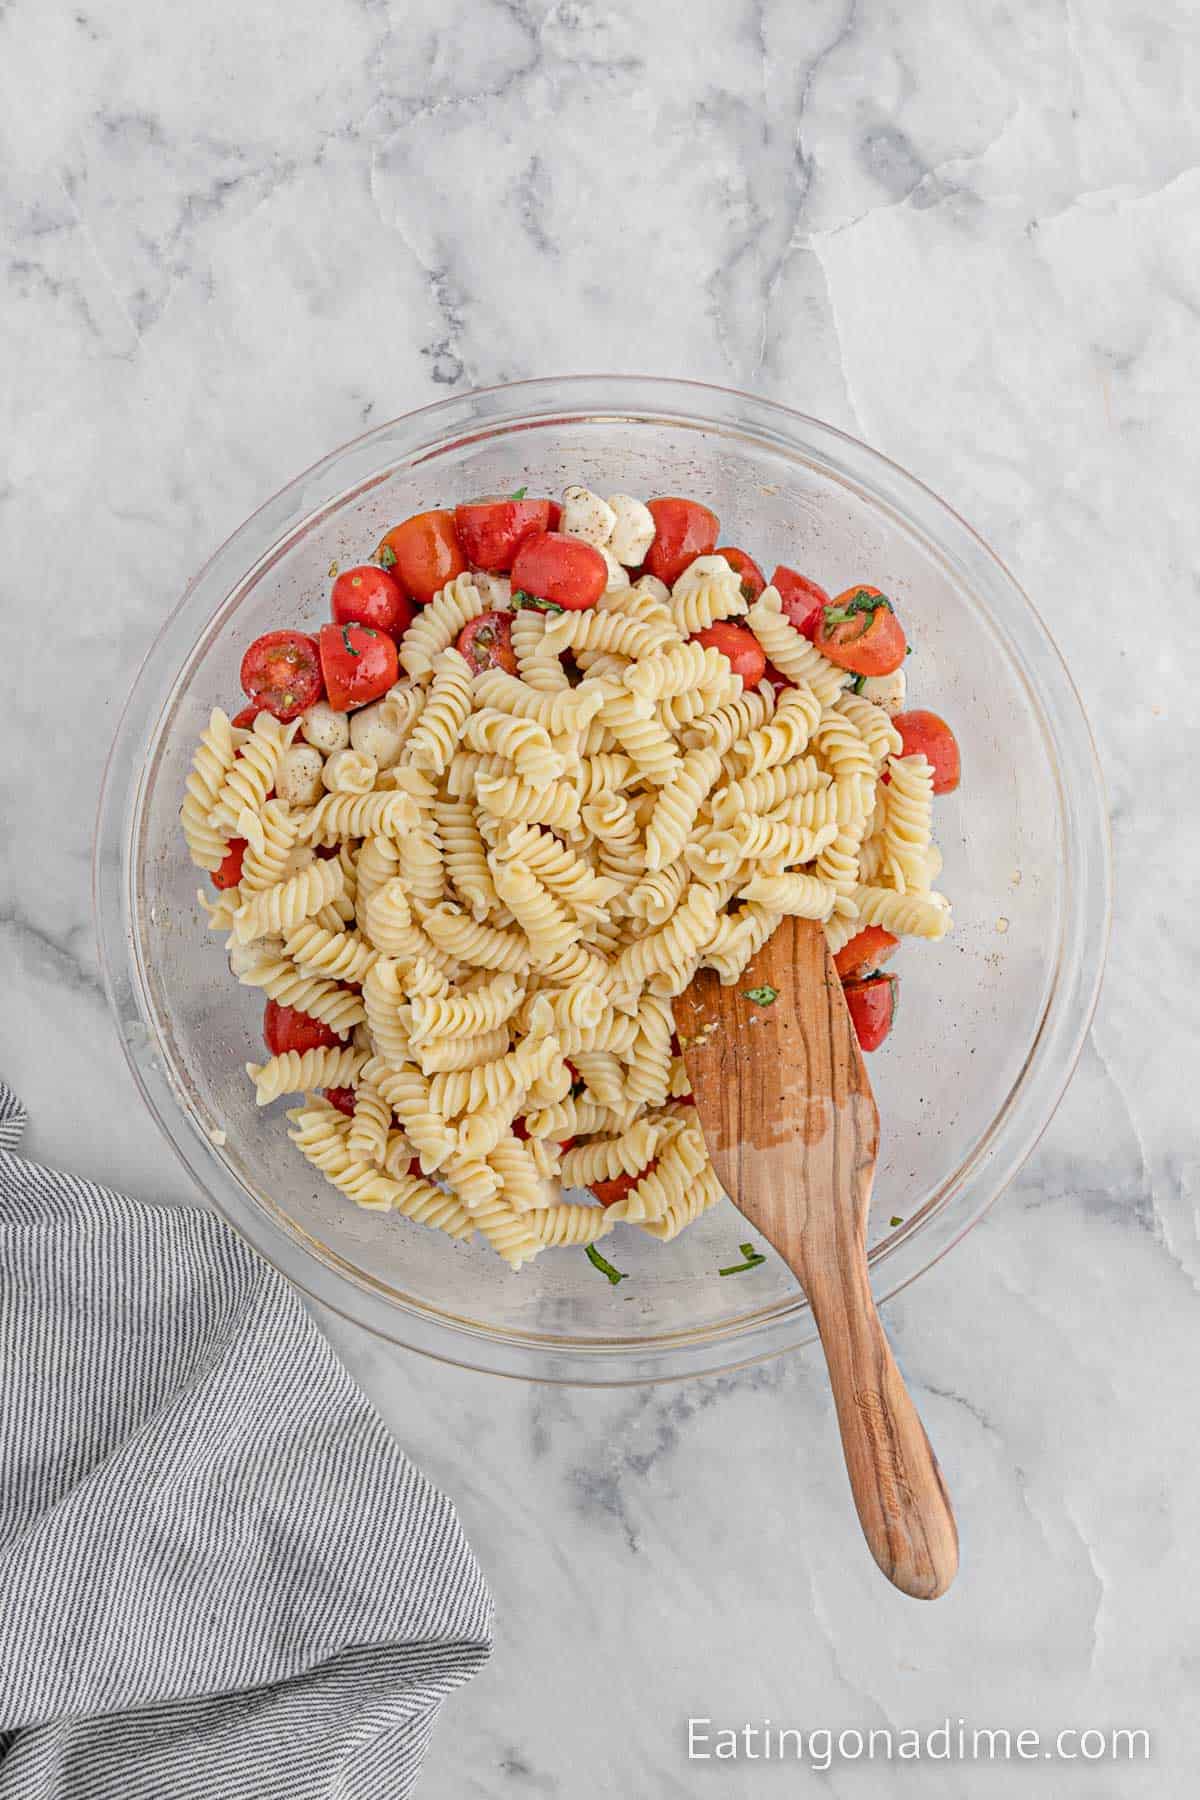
753,579
230,871
863,953
859,631
683,530
486,642
424,552
368,595
555,519
739,644
801,599
564,570
359,664
343,1099
925,734
872,1006
281,672
244,720
287,1028
609,1192
491,531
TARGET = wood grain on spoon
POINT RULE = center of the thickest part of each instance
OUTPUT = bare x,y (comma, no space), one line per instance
793,1132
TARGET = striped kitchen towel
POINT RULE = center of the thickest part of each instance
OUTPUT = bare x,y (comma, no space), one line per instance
219,1576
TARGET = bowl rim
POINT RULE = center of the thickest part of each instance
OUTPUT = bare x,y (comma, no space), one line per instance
597,1361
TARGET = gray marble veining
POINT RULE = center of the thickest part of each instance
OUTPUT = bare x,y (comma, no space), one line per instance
231,237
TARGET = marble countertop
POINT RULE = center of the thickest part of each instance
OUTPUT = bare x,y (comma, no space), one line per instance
232,237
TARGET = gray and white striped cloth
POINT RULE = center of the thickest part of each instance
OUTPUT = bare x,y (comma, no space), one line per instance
219,1576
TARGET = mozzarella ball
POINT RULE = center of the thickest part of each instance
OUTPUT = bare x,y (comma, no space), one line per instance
650,584
887,691
618,576
325,729
298,775
378,730
585,515
633,529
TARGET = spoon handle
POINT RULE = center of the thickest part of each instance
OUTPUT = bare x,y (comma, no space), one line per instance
898,1490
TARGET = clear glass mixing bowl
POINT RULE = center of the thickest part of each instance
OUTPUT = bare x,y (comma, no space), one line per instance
993,1017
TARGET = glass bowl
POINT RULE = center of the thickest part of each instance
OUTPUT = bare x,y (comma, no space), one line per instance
993,1016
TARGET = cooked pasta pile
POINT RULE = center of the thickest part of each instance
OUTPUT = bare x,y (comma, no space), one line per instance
491,886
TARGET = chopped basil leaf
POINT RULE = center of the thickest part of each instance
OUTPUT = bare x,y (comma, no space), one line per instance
350,650
387,557
530,601
605,1267
762,996
753,1259
895,1219
856,686
909,649
519,494
859,602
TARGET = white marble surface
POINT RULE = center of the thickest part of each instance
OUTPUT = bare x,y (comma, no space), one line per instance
232,234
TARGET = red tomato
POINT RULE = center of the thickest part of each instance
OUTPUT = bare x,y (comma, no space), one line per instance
281,672
801,598
555,519
683,530
864,952
343,1099
778,679
564,570
287,1028
739,645
368,595
753,579
486,642
359,664
609,1192
859,631
872,1006
491,531
424,552
925,734
244,721
230,871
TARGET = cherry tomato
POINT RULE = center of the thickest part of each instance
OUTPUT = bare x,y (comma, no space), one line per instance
925,734
281,672
872,1006
739,645
359,664
343,1099
491,531
863,953
753,579
370,596
801,599
778,679
683,530
565,570
859,631
230,871
244,721
423,552
287,1028
486,642
555,519
609,1192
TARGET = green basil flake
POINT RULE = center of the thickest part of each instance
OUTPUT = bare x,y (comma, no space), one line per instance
333,569
522,599
519,494
350,650
387,557
605,1267
895,1219
762,996
909,649
857,685
753,1259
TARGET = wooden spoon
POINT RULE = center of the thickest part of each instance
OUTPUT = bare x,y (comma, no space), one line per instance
793,1131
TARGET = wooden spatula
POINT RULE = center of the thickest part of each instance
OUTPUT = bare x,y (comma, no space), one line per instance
792,1129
